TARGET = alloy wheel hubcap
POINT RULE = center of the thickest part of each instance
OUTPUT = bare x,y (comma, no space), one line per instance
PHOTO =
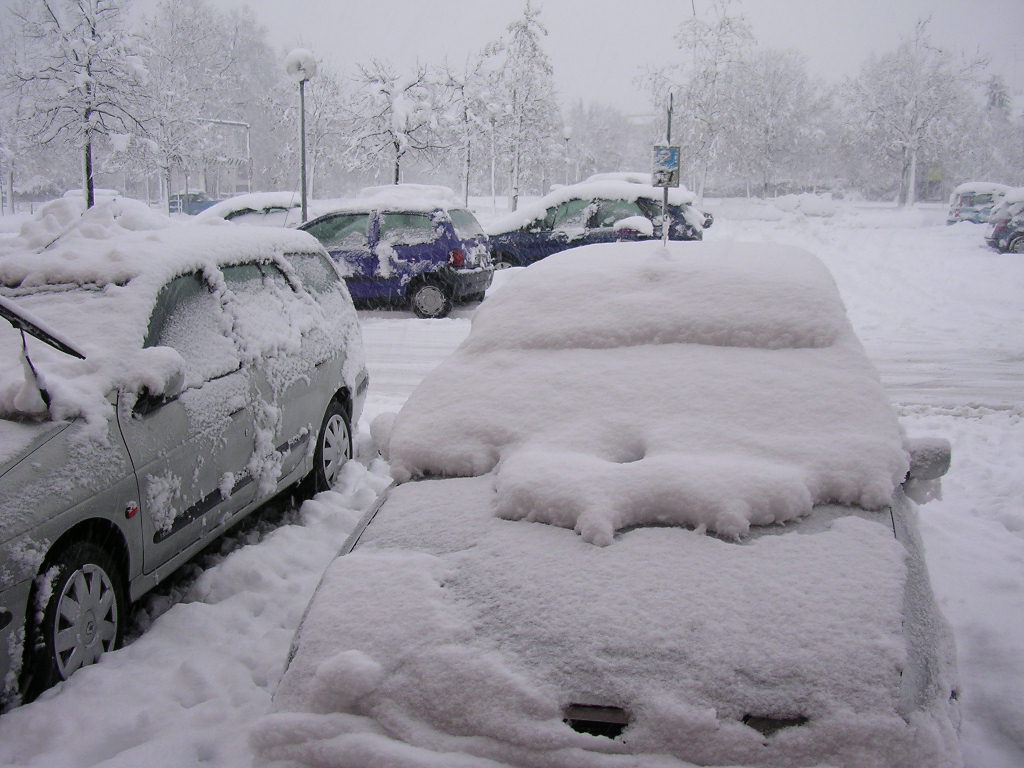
85,625
430,300
335,448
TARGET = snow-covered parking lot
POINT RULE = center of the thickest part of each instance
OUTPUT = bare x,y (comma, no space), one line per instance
937,312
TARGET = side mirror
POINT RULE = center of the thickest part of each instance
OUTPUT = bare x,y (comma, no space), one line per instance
930,457
929,461
147,401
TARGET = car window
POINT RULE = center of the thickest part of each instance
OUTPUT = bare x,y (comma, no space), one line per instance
187,317
407,228
344,231
611,211
260,292
571,213
465,223
316,272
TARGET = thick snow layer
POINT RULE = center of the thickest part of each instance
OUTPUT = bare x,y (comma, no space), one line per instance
608,188
458,632
730,387
979,188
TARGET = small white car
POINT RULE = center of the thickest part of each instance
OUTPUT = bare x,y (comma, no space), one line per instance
664,523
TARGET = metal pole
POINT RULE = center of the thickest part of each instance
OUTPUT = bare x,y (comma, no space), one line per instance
302,143
664,191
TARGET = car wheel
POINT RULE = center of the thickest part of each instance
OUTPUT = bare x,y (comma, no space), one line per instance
430,300
1017,246
83,619
333,447
504,261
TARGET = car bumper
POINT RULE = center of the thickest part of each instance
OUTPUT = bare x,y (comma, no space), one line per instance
467,282
12,639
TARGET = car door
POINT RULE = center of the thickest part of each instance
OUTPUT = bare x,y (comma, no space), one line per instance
347,238
606,214
408,244
190,451
563,226
267,316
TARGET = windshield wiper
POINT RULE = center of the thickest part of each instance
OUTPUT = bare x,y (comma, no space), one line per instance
19,320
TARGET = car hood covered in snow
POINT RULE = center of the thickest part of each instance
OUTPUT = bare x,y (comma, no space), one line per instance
450,630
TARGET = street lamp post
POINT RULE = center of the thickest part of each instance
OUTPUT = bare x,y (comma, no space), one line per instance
301,66
567,134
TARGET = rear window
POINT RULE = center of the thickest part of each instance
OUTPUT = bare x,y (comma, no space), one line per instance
407,228
465,223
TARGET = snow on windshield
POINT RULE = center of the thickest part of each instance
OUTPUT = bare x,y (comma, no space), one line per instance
710,384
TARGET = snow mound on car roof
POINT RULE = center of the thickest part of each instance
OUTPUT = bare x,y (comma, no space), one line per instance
712,384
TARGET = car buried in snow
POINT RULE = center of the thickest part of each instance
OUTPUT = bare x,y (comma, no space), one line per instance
411,245
159,383
1006,233
605,208
975,201
668,528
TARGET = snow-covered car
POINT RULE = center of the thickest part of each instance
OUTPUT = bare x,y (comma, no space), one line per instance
411,245
268,209
974,201
606,208
1006,233
159,382
664,528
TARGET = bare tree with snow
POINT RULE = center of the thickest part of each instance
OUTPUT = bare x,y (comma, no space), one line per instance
80,74
905,102
392,117
527,98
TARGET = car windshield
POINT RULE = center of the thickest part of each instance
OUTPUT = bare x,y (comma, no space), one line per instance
407,228
465,223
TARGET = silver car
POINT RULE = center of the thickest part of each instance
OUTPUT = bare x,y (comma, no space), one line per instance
158,386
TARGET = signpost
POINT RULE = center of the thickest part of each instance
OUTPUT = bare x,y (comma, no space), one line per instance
665,171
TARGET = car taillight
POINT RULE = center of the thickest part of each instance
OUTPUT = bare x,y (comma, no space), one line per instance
456,258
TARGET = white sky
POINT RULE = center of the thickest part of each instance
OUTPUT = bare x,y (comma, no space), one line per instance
598,46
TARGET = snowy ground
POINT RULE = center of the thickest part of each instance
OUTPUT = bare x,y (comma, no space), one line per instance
938,313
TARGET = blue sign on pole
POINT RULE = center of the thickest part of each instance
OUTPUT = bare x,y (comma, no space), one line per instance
665,172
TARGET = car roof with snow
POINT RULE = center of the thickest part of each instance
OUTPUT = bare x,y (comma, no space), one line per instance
614,187
980,188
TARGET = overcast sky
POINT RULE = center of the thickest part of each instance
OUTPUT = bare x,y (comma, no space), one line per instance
598,46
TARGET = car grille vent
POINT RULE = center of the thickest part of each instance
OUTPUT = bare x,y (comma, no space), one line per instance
770,725
609,722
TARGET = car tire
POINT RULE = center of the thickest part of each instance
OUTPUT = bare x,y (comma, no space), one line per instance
333,447
1017,246
504,261
84,617
430,300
